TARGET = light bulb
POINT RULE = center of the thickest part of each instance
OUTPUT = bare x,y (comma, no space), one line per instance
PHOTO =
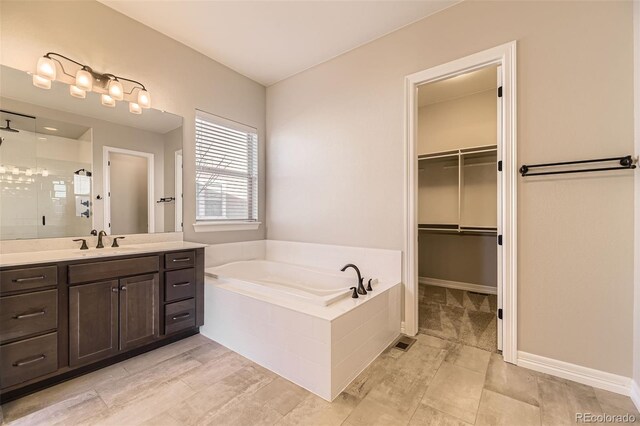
15,171
115,90
28,172
108,101
46,68
144,99
77,92
84,80
45,172
41,82
134,108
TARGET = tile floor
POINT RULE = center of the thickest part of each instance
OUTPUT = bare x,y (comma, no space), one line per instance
197,381
459,316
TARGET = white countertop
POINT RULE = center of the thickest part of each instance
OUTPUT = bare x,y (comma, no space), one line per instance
50,256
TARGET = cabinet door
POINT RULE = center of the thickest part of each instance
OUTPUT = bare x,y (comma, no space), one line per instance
93,322
139,310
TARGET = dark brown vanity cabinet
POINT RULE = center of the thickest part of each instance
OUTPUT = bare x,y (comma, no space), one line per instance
59,321
108,317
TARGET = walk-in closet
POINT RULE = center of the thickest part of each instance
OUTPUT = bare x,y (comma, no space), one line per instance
458,207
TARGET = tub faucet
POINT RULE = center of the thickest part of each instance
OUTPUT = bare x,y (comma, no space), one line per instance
361,289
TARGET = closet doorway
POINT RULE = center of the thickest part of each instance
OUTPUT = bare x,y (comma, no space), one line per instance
460,264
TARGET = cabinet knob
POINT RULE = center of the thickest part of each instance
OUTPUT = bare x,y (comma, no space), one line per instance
123,288
114,289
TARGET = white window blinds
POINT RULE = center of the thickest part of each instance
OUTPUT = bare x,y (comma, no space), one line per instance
226,170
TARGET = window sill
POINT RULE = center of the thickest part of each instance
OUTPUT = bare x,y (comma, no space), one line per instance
225,226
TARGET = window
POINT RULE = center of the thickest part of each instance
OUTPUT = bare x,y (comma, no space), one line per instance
226,172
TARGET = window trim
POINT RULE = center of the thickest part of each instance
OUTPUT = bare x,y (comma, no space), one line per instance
231,224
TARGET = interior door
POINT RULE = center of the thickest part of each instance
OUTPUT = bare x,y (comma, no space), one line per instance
500,275
128,194
139,310
93,322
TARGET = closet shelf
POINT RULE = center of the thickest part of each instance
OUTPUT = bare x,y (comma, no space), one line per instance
458,152
439,227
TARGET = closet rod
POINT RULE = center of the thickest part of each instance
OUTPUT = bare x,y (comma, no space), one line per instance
626,162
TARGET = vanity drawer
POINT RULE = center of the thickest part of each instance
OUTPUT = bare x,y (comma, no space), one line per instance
28,314
28,359
179,315
185,259
108,269
28,278
180,284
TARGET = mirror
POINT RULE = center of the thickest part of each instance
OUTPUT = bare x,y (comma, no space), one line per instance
69,166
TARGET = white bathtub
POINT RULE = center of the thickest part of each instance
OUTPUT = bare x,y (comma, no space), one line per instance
307,284
291,311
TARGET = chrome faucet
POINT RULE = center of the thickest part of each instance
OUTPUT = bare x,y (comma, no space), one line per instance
361,289
100,235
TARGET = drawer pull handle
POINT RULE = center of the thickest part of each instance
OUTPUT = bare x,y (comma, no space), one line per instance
29,361
181,284
185,315
181,259
24,280
34,314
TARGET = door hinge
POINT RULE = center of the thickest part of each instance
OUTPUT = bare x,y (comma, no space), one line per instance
500,313
500,165
108,163
109,224
499,240
500,91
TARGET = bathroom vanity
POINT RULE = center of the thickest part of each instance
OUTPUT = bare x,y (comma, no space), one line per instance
64,318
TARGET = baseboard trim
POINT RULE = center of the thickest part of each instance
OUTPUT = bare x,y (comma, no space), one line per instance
577,373
478,288
635,394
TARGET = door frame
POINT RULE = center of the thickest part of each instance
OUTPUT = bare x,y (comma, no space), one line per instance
178,187
106,151
504,56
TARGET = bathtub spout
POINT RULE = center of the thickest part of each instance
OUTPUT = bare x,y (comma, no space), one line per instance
361,289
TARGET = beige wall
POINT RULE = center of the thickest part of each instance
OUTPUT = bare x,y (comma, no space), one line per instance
467,258
179,79
336,130
458,123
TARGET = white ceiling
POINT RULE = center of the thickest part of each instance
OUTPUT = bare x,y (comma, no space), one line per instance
458,86
269,41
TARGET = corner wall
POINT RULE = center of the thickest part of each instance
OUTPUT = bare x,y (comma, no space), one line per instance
179,78
337,130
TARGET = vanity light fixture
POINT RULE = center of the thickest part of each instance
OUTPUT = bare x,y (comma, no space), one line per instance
108,101
77,92
85,79
134,108
28,172
2,170
15,171
41,82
